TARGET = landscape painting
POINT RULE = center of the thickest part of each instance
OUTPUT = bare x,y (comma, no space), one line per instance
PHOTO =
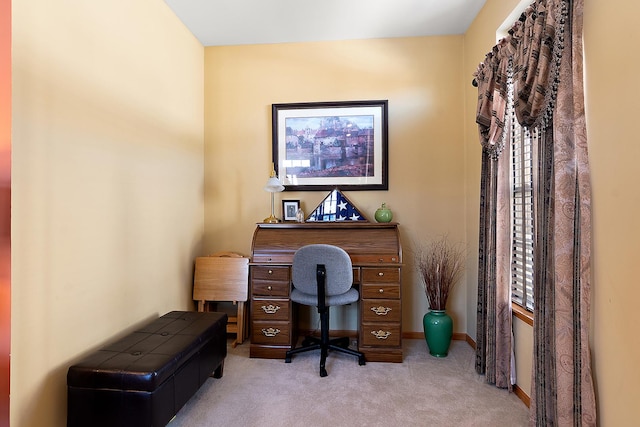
319,146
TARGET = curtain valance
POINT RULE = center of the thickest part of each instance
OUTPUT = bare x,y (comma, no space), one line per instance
531,53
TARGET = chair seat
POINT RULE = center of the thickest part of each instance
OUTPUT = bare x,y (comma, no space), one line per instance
348,297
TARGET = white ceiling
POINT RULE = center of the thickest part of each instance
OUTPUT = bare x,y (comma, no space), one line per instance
234,22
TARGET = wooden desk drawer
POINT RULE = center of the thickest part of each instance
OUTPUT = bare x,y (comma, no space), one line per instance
390,258
381,274
387,291
381,310
278,273
270,309
380,334
270,289
271,333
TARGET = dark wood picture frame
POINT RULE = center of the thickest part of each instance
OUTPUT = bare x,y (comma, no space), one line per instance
324,145
290,209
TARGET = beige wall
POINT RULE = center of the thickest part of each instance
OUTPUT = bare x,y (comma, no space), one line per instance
108,177
611,33
421,79
107,183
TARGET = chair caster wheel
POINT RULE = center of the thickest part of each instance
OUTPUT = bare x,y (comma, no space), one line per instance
287,359
323,372
361,361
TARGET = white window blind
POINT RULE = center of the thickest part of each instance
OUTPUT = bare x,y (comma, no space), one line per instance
522,140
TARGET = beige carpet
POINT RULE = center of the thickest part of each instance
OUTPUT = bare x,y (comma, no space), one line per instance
421,391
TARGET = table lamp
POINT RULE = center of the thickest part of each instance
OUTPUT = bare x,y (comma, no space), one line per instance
273,186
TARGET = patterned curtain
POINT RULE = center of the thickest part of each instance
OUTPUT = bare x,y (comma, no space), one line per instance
547,66
494,329
562,360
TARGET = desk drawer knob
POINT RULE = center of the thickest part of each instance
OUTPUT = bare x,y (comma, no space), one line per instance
381,335
381,274
270,271
270,309
381,291
269,288
381,311
270,332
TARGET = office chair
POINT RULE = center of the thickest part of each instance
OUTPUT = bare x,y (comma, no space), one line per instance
323,277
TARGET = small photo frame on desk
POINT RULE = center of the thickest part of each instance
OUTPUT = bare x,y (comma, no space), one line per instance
289,209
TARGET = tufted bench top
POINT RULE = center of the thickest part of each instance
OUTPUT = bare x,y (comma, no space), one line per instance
147,357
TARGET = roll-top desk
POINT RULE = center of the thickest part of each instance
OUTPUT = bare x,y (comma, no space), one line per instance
376,256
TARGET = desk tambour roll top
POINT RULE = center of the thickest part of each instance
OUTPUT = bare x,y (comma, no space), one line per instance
376,255
365,243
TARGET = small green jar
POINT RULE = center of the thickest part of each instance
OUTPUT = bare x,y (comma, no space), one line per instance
383,214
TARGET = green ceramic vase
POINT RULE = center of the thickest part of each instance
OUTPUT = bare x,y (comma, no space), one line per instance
438,330
383,214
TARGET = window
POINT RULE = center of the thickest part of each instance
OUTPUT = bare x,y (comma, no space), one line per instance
522,223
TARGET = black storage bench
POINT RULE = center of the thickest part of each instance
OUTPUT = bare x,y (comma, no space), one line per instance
144,378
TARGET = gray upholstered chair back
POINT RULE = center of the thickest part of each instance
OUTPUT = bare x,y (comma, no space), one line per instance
339,278
323,287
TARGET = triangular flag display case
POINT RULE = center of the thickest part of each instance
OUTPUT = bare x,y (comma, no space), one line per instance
336,207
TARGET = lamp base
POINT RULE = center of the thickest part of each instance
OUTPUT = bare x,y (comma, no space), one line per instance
271,220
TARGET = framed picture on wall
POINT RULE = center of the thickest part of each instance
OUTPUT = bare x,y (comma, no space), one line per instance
289,209
324,145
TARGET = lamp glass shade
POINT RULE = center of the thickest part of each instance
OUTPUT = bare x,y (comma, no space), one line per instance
273,185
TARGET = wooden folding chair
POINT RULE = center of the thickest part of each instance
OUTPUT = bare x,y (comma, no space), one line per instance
224,277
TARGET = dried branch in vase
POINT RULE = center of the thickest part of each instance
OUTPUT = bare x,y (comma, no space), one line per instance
440,265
